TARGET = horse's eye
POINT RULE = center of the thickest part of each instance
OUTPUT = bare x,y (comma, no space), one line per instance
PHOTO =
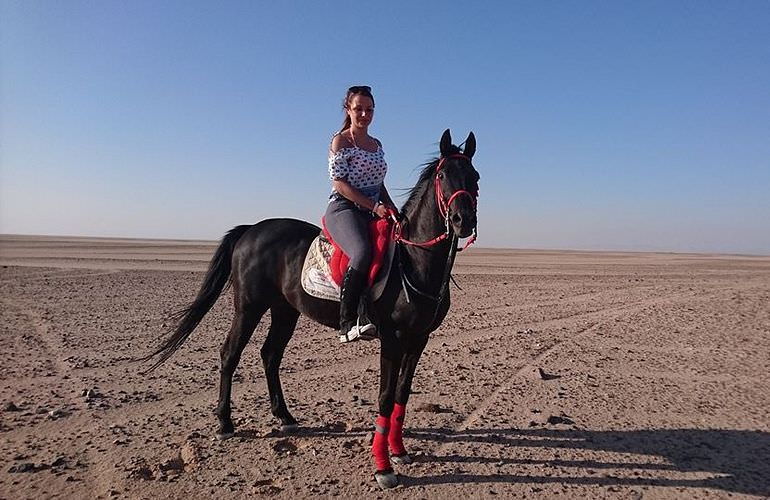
441,175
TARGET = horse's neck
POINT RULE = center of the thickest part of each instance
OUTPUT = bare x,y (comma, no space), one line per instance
427,265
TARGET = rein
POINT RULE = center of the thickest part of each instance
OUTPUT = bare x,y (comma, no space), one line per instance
444,280
443,208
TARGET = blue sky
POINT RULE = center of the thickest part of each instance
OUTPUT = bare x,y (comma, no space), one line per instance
600,125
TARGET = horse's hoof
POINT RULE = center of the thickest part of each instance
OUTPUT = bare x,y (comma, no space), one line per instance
404,459
289,428
386,480
225,435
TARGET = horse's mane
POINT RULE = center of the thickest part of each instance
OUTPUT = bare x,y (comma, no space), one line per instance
426,177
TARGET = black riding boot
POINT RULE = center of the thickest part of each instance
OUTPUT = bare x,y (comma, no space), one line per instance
368,329
353,287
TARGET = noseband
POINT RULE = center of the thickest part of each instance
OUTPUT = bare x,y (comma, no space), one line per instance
443,208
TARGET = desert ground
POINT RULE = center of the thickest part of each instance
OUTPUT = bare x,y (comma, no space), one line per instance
555,374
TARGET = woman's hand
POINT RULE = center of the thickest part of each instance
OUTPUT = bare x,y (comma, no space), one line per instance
381,211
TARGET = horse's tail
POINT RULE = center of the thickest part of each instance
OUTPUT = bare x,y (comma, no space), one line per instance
187,319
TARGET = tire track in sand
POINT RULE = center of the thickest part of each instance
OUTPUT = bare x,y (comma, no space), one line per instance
602,317
51,349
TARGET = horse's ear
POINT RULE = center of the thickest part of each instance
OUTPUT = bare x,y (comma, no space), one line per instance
470,145
446,144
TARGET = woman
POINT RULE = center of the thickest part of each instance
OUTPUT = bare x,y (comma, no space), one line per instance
357,169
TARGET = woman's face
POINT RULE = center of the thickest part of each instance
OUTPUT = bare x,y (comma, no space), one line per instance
360,110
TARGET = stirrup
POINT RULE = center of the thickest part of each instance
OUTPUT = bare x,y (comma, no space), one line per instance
356,332
368,332
352,335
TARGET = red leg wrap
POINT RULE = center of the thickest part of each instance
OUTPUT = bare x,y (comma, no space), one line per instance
380,444
395,436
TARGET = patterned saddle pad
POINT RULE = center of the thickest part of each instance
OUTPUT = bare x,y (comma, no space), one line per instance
317,274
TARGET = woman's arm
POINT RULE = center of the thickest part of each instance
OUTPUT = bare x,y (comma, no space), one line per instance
354,195
344,188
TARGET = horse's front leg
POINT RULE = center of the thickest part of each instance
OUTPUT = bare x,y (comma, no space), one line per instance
403,389
390,362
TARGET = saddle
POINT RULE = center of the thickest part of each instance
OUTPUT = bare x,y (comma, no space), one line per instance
326,263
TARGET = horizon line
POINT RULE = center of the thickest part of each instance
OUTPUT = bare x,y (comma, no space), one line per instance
514,249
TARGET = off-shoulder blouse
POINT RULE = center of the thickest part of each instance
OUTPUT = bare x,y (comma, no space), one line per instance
362,169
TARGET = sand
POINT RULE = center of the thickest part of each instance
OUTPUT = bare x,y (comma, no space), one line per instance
555,374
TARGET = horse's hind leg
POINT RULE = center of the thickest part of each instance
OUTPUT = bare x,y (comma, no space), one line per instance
283,321
244,323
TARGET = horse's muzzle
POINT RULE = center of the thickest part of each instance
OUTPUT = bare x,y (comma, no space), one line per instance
463,223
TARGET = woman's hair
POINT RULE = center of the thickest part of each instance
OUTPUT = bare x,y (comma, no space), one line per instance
355,90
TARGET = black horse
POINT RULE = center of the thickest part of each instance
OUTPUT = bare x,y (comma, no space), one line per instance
264,261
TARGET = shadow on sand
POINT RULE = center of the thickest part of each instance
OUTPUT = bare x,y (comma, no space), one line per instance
738,460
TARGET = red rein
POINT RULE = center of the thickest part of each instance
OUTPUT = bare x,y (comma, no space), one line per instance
443,208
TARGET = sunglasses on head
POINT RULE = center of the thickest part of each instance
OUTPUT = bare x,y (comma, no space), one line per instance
356,89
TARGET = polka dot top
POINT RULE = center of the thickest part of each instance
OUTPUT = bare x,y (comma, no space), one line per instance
362,169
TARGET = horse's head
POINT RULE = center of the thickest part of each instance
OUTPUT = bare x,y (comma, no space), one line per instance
457,184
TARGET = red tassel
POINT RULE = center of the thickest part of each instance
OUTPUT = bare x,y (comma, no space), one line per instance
395,436
380,444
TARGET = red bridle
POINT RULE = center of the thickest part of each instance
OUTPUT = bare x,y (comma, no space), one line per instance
443,208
